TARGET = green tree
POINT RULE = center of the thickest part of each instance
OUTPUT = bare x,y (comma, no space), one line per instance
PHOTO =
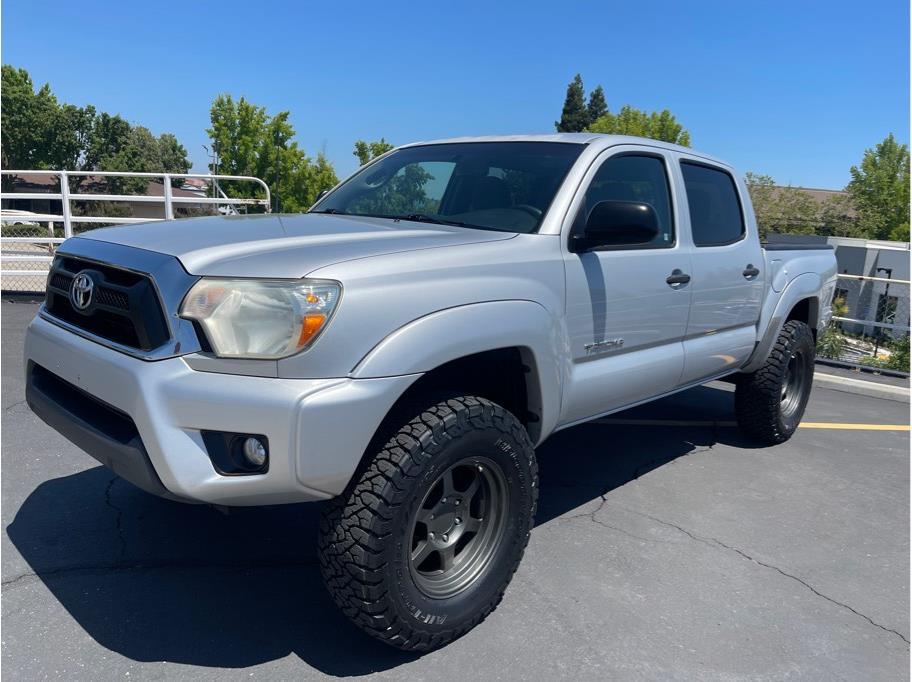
574,116
41,133
782,210
140,153
880,190
108,136
402,194
173,154
631,121
368,151
597,106
37,131
248,141
238,131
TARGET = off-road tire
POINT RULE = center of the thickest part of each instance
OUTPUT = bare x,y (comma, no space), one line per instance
761,407
366,534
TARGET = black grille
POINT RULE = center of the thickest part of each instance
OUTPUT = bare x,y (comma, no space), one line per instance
124,307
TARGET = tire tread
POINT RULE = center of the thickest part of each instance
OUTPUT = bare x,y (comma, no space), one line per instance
757,395
355,525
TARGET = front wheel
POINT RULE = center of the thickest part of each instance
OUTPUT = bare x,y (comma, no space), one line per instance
770,402
423,543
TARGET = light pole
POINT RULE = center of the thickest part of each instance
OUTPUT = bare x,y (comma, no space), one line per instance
213,169
886,295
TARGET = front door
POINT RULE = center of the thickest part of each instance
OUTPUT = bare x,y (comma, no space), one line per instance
627,306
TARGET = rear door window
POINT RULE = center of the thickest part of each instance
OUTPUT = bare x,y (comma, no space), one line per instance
716,217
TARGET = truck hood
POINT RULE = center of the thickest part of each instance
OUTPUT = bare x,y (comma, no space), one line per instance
284,246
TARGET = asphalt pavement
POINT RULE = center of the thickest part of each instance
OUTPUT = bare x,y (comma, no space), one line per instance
666,547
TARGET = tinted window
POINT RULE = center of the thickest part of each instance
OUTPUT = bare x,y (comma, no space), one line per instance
715,212
635,178
491,185
414,188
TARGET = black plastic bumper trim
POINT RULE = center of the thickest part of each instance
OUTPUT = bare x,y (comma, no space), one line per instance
102,431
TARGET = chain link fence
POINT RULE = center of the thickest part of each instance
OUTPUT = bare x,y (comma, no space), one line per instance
870,324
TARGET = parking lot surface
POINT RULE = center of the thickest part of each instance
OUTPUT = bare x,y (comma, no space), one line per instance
666,547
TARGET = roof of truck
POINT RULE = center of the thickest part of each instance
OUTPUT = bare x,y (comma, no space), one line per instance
575,138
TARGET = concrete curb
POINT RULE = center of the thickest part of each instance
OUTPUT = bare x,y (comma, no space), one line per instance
861,387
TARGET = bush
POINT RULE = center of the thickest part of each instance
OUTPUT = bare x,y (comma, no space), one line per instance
899,355
871,361
898,359
831,343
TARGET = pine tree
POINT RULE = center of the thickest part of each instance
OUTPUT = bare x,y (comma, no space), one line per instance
574,117
597,107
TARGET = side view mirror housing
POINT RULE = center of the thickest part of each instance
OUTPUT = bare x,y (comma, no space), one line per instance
617,224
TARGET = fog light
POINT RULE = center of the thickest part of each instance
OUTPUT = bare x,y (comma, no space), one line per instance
255,452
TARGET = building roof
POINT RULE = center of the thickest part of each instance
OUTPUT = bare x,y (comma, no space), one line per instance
92,184
821,196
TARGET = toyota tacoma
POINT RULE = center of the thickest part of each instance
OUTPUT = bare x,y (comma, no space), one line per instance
402,348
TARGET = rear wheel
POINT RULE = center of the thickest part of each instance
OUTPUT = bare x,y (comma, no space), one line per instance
770,402
425,540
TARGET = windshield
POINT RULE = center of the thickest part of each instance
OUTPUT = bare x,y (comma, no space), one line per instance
489,185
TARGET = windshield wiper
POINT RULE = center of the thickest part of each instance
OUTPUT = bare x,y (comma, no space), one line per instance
425,218
331,211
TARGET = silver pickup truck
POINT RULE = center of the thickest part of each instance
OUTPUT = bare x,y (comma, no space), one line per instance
401,349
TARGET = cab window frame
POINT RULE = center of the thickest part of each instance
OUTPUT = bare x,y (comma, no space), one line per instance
579,221
738,200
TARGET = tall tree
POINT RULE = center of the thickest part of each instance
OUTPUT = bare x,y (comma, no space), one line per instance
880,190
41,133
173,154
108,136
660,125
574,116
238,130
597,106
248,141
368,151
140,154
781,210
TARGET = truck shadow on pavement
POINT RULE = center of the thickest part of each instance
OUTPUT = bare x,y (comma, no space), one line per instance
154,580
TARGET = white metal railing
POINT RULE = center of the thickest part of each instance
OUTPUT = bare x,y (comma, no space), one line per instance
66,217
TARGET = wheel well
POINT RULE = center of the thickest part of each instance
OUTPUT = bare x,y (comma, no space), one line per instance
805,310
505,376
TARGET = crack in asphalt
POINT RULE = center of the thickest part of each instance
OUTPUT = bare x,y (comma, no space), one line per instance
118,519
592,517
15,404
637,473
695,450
714,542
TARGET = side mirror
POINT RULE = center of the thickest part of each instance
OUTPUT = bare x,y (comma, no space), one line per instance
617,223
323,193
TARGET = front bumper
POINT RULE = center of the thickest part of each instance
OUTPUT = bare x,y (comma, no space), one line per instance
318,429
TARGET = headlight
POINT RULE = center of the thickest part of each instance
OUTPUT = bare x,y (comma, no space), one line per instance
267,319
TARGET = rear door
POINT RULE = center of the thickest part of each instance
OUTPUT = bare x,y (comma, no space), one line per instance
625,319
727,278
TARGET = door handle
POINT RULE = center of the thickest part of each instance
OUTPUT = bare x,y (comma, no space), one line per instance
677,278
750,271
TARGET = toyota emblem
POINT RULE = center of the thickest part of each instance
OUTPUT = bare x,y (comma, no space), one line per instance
81,291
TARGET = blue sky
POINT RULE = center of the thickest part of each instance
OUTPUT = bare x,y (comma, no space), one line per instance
794,89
